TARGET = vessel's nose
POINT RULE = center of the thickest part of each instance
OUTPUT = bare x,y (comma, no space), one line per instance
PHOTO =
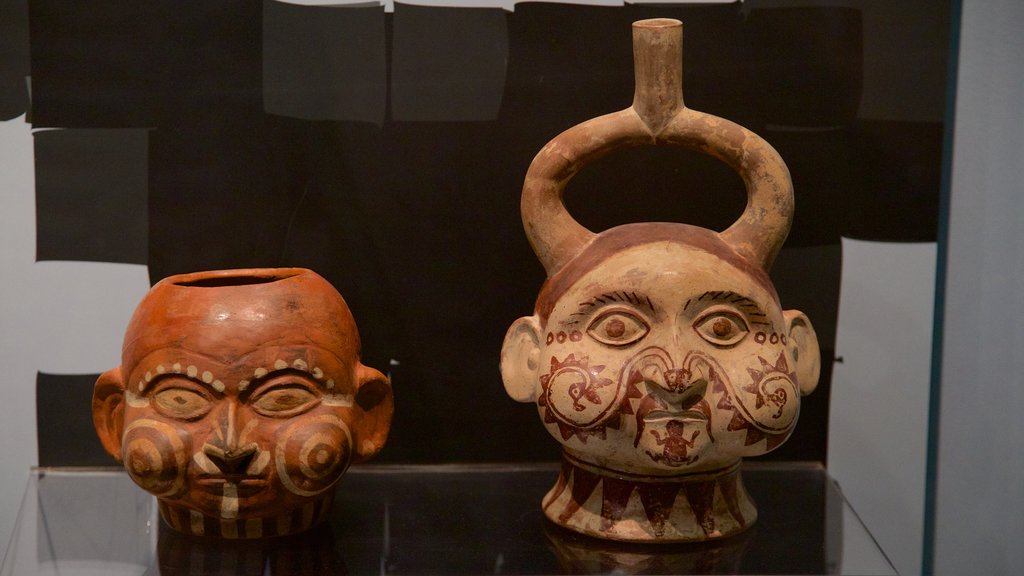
230,460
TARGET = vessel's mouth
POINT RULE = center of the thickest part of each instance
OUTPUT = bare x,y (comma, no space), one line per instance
222,281
671,396
655,415
657,23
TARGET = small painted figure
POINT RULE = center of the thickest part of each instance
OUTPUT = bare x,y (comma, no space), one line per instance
675,445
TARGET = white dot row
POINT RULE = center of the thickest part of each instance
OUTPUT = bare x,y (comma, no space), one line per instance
207,376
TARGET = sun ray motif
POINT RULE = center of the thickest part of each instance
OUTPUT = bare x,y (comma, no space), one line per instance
583,392
758,376
738,422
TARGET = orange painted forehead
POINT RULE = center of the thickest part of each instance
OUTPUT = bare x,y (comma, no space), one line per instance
228,314
615,240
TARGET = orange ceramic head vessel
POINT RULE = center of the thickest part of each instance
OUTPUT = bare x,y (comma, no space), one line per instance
241,401
659,354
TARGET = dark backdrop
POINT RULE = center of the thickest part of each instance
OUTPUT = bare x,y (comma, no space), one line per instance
387,152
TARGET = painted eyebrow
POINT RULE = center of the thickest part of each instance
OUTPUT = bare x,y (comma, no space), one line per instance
161,371
280,366
584,308
260,374
749,307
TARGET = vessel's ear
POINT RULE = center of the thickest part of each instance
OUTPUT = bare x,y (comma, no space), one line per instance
375,403
108,411
803,348
519,359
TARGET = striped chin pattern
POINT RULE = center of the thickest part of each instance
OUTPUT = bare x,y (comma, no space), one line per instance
614,505
297,520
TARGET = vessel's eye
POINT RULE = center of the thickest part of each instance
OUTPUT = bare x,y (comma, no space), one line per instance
721,328
182,401
284,400
618,328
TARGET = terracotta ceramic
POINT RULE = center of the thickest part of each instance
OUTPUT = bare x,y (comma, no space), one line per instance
659,354
240,401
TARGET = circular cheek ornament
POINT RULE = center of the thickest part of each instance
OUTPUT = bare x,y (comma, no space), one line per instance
155,457
658,354
241,401
312,454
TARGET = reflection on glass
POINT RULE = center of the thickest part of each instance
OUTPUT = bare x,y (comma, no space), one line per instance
314,553
430,520
579,554
82,523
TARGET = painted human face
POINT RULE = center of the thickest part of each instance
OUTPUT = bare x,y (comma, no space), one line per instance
241,401
242,439
666,358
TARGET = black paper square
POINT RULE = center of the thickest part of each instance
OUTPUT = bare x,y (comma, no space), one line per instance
14,62
324,62
448,64
91,195
95,64
66,434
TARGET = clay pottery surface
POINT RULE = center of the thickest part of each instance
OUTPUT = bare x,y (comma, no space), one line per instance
659,354
241,401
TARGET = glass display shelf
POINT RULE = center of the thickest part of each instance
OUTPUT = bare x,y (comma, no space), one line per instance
431,519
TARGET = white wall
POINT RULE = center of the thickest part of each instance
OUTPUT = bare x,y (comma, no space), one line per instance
980,486
878,422
56,317
980,498
17,246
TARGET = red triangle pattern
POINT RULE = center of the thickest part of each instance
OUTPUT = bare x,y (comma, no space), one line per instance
657,498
